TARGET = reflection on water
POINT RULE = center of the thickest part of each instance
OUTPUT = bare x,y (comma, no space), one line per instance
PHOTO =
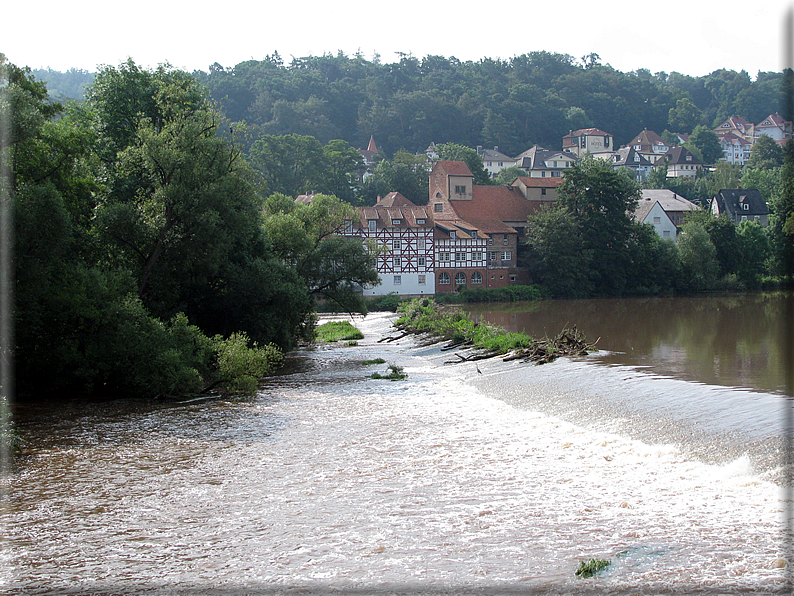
732,340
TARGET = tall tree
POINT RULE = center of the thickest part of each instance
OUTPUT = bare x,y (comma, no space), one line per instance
707,143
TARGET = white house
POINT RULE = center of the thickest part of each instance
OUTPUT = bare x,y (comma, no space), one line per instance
494,160
651,212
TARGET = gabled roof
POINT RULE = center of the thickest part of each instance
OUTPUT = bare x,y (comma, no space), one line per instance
395,207
669,201
643,209
647,137
588,132
729,138
534,182
736,122
625,157
453,168
773,121
494,155
536,157
678,156
732,201
394,199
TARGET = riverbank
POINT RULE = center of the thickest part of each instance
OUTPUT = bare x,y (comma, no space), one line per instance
329,481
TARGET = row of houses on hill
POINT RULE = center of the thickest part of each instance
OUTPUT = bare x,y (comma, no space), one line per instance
468,236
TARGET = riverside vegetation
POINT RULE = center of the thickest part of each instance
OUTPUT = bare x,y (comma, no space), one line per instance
438,323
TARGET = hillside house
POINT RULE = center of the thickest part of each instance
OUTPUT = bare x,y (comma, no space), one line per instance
494,160
738,126
774,126
735,149
540,191
538,162
741,205
588,140
634,161
650,145
650,212
674,205
681,163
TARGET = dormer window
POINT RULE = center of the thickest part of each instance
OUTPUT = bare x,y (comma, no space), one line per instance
420,222
373,225
396,222
689,158
452,234
746,206
460,190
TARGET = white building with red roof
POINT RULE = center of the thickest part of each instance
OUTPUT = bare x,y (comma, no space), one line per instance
774,126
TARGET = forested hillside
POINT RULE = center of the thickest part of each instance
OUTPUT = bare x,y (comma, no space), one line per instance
533,98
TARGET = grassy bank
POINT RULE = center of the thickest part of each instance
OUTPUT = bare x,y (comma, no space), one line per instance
443,323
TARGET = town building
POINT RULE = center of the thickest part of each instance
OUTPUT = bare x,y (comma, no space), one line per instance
494,160
735,149
740,204
650,212
650,145
674,205
403,235
539,162
738,126
774,126
588,140
681,163
631,159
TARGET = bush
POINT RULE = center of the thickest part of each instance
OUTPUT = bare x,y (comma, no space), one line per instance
508,294
388,303
239,366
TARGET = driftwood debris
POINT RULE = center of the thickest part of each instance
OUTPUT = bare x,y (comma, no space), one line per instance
570,342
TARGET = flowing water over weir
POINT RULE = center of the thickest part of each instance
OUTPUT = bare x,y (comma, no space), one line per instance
450,482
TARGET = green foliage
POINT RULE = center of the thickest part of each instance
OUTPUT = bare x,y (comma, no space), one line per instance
241,364
395,373
589,567
456,152
406,173
389,302
766,154
373,361
707,143
700,267
507,176
684,116
337,331
508,294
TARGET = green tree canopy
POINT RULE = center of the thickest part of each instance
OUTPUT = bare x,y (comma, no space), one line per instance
766,154
707,142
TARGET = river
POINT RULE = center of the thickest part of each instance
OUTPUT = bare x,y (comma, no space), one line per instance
452,481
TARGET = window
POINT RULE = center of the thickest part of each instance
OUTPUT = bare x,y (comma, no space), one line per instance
420,222
398,280
395,222
501,164
443,256
513,278
506,256
460,279
505,240
420,261
396,262
453,234
744,218
438,207
666,234
373,225
756,218
460,190
476,277
443,279
493,256
420,243
689,158
476,256
543,192
746,206
474,234
657,220
460,256
490,241
348,226
396,244
422,280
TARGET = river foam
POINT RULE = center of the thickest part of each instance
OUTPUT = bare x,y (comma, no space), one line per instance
331,482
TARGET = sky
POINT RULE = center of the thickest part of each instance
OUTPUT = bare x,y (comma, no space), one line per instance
694,38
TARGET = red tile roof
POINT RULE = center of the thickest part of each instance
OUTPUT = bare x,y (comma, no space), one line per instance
453,168
535,182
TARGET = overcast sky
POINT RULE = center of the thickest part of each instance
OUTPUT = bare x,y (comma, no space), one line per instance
694,37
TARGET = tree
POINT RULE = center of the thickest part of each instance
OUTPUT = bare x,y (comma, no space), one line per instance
455,152
754,251
290,164
698,256
331,266
508,175
342,163
684,116
707,143
766,154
